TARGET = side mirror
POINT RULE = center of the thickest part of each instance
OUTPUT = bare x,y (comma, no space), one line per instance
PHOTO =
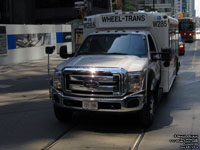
166,55
49,49
166,63
63,52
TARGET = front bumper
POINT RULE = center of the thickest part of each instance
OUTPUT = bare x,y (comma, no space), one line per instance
188,39
129,103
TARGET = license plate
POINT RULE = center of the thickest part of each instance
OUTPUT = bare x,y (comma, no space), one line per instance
90,105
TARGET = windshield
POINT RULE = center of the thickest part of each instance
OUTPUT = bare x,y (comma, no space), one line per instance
187,26
121,44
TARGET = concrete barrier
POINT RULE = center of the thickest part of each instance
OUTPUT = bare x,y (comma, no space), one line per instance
22,43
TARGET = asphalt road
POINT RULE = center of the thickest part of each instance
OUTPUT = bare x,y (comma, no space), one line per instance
27,120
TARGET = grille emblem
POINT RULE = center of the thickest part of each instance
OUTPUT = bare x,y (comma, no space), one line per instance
91,84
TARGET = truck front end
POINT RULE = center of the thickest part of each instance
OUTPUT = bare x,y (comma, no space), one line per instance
106,74
98,89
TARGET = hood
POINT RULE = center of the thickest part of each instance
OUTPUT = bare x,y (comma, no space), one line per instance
128,62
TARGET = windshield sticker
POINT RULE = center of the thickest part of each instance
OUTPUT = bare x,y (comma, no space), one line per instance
159,17
89,20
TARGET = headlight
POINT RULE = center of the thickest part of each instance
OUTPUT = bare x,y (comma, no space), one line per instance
135,81
57,80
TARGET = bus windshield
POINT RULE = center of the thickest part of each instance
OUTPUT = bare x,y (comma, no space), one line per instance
116,44
187,26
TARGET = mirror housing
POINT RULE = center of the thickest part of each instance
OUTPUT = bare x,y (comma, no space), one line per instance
166,54
63,52
49,49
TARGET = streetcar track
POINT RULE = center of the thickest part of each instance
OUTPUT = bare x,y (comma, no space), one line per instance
53,142
138,140
58,138
24,98
25,111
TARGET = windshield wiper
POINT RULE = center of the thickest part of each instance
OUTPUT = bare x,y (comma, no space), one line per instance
90,53
117,53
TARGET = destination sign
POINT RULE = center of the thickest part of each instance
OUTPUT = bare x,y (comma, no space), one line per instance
126,18
122,20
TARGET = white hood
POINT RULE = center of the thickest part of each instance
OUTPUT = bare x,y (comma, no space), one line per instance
128,62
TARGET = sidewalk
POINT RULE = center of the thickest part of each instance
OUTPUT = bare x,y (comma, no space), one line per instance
26,81
35,66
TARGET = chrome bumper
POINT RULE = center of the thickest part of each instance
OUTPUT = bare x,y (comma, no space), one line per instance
129,103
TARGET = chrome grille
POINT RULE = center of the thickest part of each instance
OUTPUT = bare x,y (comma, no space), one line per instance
104,82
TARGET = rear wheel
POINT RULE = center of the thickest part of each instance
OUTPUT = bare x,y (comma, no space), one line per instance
62,114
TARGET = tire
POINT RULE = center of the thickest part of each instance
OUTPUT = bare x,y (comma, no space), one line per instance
147,112
62,114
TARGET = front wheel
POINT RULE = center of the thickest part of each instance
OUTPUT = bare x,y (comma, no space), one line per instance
147,112
62,114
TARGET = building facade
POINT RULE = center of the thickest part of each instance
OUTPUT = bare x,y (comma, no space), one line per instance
163,6
192,8
187,7
178,8
46,11
170,7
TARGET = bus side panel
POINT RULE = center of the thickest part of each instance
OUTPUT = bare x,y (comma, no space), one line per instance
161,36
165,79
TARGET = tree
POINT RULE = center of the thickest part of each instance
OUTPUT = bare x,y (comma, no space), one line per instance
127,5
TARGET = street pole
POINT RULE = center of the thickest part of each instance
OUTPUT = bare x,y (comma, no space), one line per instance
111,8
153,5
123,5
173,10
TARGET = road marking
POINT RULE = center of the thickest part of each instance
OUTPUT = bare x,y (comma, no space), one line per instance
195,49
138,141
